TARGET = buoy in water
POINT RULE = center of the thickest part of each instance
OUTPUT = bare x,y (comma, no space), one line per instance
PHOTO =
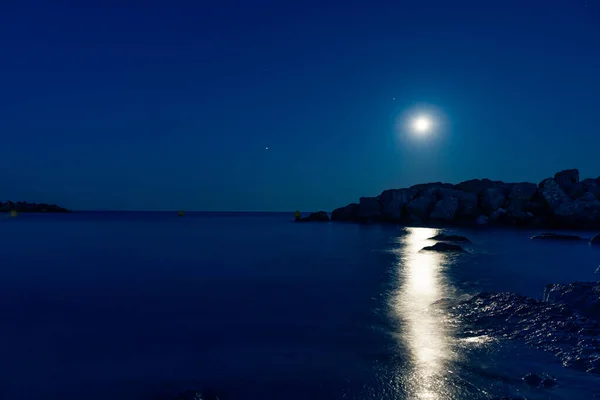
297,215
13,213
180,213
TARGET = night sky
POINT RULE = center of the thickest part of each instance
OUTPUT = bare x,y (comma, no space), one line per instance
172,105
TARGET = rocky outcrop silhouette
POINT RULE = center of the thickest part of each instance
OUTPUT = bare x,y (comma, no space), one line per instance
562,201
23,206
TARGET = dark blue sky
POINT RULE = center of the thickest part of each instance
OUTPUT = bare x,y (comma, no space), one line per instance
168,105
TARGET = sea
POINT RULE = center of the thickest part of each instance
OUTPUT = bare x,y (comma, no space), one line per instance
144,305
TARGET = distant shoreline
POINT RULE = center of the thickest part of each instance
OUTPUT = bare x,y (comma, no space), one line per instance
25,207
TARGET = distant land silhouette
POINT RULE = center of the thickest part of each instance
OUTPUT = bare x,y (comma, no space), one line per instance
22,206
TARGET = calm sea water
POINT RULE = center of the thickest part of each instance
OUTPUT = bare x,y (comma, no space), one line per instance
252,306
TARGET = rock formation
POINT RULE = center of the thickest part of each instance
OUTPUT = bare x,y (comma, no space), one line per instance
22,206
450,238
562,201
566,323
444,248
320,216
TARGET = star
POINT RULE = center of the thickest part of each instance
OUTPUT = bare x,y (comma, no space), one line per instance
266,148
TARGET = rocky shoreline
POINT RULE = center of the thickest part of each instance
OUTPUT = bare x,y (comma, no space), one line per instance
23,206
562,201
566,322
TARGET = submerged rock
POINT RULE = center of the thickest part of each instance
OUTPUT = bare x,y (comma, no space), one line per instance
532,379
445,247
450,238
556,236
539,380
549,382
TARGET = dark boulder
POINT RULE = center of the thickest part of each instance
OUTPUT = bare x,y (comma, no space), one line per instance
478,186
581,213
520,195
583,297
567,178
595,239
549,382
348,213
445,248
575,190
393,202
493,199
516,217
468,207
320,216
418,210
369,209
445,209
556,236
539,380
450,238
532,379
592,186
538,206
553,194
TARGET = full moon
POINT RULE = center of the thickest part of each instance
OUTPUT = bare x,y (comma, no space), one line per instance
422,124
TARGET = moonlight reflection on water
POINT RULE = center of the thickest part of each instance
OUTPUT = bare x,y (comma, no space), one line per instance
423,332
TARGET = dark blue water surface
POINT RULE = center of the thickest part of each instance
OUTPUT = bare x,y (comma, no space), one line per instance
253,306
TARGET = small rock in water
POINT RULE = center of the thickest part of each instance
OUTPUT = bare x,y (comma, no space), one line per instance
450,238
556,236
532,379
445,247
539,381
